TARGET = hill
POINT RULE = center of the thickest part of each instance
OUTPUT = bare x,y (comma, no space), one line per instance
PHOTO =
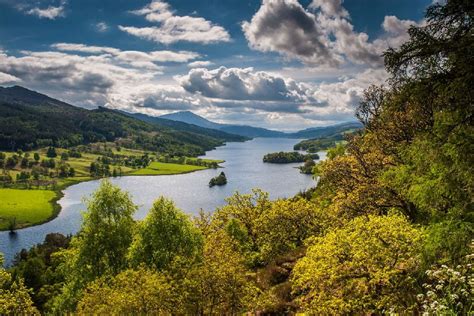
188,127
251,131
191,118
29,120
327,131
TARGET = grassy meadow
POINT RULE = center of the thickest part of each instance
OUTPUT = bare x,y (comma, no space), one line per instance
28,207
161,168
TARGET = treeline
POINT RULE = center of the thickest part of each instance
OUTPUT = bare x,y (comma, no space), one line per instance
319,144
288,157
388,230
34,171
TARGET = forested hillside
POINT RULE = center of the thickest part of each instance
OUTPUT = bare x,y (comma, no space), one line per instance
388,230
29,120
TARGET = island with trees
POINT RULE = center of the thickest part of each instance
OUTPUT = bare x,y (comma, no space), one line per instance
307,167
221,179
288,157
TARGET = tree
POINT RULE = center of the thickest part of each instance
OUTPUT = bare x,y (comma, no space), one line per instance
131,292
10,163
308,166
368,266
165,234
51,153
106,232
101,246
286,224
14,296
221,280
36,156
219,180
24,163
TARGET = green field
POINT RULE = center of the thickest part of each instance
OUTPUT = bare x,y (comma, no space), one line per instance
161,168
28,206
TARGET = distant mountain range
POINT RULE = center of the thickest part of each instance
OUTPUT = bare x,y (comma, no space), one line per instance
250,131
29,120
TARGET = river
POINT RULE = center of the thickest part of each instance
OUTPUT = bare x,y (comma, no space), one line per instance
243,167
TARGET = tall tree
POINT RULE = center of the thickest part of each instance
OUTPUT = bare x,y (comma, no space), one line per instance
165,233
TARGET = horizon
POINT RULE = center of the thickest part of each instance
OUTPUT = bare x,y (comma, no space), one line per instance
226,62
287,131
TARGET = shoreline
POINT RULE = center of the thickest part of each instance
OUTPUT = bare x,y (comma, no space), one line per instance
59,194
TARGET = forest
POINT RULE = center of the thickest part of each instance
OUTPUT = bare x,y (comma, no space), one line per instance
288,157
388,229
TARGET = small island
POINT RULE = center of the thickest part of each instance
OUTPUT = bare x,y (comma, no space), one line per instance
288,157
219,180
308,167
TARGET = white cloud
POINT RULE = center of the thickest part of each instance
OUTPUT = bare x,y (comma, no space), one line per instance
130,56
102,27
50,12
174,28
71,47
8,79
200,64
284,26
324,36
243,84
329,7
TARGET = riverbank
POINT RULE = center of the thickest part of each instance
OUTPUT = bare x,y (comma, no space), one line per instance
24,207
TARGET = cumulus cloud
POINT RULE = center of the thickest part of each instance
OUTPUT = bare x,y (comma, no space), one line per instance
329,7
173,28
200,64
323,36
243,84
284,26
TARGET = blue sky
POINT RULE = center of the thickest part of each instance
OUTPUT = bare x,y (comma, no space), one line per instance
280,64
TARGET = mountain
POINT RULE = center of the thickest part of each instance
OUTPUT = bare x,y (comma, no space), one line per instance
188,127
326,131
250,131
29,120
243,130
191,118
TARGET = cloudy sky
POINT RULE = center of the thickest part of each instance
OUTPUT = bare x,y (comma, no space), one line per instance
281,64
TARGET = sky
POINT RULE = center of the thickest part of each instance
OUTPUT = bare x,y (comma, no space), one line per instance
279,64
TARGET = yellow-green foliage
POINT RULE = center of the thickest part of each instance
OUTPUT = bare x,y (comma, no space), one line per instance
223,281
368,266
14,296
132,292
164,234
28,207
285,225
159,168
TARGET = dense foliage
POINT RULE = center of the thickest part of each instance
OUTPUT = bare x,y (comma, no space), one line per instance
221,179
288,157
388,229
318,144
